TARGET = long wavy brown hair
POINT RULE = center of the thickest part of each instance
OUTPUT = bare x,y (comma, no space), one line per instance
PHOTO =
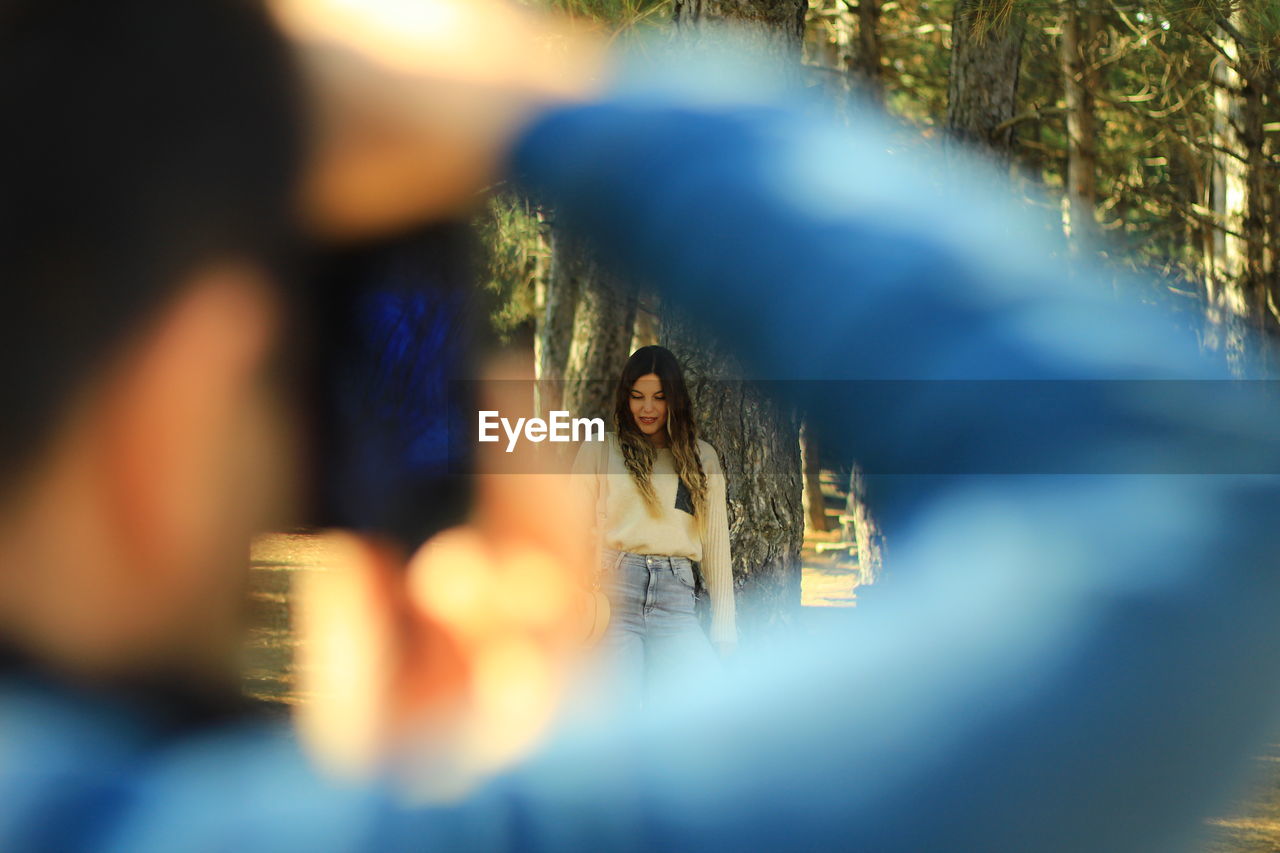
638,451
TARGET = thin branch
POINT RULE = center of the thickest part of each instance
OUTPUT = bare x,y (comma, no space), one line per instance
1029,115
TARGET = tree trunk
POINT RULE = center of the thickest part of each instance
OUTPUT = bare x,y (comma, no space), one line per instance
1188,173
866,61
648,329
758,442
815,505
556,304
1273,222
1258,181
1080,27
1235,275
986,55
1229,185
775,26
602,327
862,529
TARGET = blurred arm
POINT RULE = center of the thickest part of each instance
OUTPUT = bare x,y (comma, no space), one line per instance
415,103
1070,662
1053,646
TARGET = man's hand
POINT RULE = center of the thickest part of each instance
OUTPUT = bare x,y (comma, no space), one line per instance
417,101
448,667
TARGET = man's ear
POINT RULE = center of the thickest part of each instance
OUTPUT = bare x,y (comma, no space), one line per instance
172,409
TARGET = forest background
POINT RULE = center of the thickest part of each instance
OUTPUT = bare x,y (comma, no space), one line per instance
1149,132
1146,134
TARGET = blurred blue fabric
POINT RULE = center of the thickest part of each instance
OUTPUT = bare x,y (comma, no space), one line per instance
1067,659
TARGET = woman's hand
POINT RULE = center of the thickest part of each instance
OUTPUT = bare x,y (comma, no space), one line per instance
417,101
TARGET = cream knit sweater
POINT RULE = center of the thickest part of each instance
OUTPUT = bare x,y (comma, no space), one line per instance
628,524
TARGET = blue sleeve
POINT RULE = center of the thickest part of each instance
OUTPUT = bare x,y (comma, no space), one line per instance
1066,660
927,322
1080,643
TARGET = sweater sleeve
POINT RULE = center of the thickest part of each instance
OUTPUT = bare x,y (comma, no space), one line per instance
585,487
717,565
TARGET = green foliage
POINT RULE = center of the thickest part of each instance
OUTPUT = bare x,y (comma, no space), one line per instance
1158,109
1153,99
917,59
514,254
618,17
988,15
512,235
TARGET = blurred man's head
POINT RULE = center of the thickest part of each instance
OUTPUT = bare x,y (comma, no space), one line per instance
148,167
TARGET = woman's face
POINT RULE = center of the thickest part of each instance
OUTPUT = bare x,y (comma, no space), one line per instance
649,405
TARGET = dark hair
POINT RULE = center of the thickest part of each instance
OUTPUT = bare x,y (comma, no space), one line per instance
637,451
143,139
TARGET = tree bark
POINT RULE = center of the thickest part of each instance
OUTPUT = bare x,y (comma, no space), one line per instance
648,329
775,26
1258,181
868,56
1235,272
1229,190
758,442
603,321
815,505
557,303
862,529
986,55
1080,27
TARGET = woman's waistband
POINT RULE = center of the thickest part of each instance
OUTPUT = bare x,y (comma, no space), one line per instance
612,556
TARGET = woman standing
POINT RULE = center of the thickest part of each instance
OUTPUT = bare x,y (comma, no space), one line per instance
659,494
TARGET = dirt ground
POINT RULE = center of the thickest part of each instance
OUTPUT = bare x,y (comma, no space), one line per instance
1254,825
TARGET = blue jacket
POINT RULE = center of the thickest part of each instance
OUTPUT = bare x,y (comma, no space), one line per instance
1080,645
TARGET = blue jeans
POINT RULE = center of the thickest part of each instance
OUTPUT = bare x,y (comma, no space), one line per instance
654,642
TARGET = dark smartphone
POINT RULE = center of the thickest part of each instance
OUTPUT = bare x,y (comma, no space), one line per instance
393,343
